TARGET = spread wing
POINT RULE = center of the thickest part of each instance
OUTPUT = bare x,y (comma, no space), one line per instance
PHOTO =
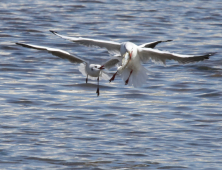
111,63
161,56
112,47
147,45
152,44
56,52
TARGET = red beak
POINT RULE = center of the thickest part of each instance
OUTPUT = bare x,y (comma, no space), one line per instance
102,67
131,54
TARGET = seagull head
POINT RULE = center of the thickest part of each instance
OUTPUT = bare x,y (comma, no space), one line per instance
96,67
127,48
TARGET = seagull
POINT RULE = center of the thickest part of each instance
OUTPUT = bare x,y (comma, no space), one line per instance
91,71
131,70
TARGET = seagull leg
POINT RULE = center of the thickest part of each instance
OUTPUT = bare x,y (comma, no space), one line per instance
126,82
87,78
114,75
97,91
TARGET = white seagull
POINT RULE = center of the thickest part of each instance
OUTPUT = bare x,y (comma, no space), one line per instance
91,71
132,72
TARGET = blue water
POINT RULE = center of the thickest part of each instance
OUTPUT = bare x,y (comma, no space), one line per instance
51,119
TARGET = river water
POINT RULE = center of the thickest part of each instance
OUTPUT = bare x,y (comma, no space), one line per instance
51,119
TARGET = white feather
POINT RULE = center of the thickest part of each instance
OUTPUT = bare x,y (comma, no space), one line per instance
82,69
137,78
104,76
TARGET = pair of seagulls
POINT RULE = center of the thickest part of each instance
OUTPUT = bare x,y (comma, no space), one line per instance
128,57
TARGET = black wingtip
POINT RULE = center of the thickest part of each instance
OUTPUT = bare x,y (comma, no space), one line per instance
54,32
212,53
167,40
207,56
23,45
17,43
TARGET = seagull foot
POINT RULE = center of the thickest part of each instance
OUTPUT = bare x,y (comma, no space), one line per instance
126,82
97,91
113,78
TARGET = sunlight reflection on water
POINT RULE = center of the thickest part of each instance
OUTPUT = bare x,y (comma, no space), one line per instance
51,119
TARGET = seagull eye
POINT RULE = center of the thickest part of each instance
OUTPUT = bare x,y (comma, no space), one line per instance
95,66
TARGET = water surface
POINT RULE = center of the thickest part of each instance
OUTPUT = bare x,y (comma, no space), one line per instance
51,119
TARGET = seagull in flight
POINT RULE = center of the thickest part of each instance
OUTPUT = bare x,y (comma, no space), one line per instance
91,71
132,56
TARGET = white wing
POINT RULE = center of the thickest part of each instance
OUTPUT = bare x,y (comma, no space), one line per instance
145,45
111,63
112,47
104,76
161,56
56,52
152,44
82,69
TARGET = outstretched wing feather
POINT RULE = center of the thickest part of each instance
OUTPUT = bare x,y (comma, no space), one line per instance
161,56
56,52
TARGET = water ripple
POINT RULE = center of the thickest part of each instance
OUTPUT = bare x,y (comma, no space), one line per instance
51,119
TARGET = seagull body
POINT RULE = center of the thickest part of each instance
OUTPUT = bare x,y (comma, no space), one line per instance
91,71
132,72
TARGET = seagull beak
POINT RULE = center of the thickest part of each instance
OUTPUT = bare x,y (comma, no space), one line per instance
130,54
101,68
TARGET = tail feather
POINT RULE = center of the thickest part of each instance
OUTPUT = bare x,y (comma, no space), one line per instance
137,78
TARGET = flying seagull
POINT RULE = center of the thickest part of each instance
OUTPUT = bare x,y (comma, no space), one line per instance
92,71
132,72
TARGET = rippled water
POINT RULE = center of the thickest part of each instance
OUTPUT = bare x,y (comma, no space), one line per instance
51,119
